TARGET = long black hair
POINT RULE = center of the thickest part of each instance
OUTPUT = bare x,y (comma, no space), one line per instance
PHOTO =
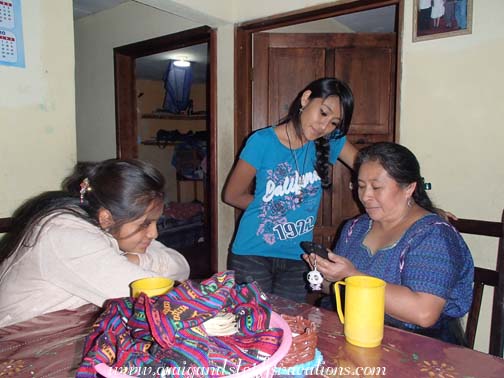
401,164
323,88
126,188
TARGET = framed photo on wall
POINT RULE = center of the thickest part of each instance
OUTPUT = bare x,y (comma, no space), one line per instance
434,19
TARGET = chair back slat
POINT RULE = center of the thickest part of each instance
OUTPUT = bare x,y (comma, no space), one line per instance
473,316
487,277
497,328
478,227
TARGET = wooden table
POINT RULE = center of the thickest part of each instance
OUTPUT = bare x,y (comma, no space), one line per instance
51,346
402,354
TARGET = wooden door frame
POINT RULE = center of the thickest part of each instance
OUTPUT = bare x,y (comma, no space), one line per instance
243,53
125,106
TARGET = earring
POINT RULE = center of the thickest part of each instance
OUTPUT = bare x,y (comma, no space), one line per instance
84,188
301,110
410,202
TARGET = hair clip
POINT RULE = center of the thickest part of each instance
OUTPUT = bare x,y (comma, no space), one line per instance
426,185
84,187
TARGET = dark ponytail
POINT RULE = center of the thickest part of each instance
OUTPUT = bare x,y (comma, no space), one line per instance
322,151
124,187
323,88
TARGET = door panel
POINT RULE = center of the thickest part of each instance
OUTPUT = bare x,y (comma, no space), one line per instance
285,63
372,96
309,65
271,98
126,110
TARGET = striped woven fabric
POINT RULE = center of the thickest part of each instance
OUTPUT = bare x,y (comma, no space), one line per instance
164,336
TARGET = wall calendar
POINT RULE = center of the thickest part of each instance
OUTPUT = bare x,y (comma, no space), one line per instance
11,34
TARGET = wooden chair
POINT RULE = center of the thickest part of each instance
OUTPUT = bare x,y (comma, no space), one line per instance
5,224
482,277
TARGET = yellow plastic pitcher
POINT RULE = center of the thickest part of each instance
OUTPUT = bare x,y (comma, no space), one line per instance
364,310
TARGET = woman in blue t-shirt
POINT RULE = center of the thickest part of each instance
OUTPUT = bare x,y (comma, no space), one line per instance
290,163
400,239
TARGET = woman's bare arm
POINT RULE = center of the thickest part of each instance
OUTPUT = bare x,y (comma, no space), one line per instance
401,302
237,191
348,154
411,306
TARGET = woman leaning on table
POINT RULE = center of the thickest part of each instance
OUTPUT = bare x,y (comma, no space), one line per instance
87,242
400,239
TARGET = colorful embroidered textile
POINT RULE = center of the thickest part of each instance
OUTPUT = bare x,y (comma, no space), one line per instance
165,333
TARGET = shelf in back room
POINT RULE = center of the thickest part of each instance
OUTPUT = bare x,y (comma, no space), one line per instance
166,115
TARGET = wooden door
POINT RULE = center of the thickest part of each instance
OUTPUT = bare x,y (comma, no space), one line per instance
285,63
127,117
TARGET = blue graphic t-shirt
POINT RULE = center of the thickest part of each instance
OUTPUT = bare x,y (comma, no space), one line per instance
284,210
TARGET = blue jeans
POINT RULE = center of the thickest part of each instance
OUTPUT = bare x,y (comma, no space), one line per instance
461,13
282,277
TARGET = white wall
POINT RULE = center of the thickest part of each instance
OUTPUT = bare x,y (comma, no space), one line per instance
95,38
37,111
451,117
451,112
236,11
225,135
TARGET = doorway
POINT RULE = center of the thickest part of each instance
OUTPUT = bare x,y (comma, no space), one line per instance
288,61
154,134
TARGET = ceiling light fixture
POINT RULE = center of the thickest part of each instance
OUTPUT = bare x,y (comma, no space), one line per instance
182,62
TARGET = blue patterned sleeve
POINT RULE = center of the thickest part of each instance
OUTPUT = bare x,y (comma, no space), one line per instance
336,147
254,150
438,262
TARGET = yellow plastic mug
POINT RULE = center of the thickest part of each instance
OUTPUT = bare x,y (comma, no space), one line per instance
151,286
364,310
